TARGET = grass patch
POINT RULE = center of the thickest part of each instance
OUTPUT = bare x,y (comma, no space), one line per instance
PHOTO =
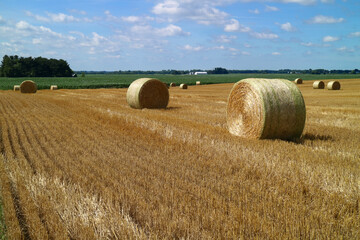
93,81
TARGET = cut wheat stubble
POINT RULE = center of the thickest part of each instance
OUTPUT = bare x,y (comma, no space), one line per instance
147,93
266,109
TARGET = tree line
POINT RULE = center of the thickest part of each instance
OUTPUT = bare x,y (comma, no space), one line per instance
15,66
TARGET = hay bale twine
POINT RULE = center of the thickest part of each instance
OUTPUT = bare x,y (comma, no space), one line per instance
318,85
28,86
16,87
260,108
298,81
172,84
147,93
333,85
183,86
53,87
198,83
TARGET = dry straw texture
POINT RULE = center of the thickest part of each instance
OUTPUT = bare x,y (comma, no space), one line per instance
333,85
318,85
172,84
147,93
53,87
266,109
298,81
16,87
198,83
183,86
28,86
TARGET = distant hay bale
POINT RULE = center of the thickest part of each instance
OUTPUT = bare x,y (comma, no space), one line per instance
16,87
183,86
198,83
260,108
172,84
28,86
53,87
298,81
318,85
147,93
333,85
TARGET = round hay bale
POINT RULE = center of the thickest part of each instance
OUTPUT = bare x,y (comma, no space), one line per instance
172,84
183,86
147,93
318,85
16,87
198,83
28,86
333,85
298,81
53,87
260,108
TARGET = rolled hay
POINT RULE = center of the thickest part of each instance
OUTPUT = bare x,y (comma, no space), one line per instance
16,87
333,85
53,87
198,82
147,93
260,108
318,85
28,86
172,84
183,86
298,81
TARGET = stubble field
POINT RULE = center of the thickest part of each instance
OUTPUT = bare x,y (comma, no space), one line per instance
81,164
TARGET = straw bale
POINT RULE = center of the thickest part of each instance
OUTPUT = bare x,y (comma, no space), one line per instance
333,85
318,85
266,109
53,87
298,81
147,93
28,86
198,82
183,86
172,84
16,87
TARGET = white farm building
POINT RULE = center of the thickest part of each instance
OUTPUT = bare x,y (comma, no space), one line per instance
200,73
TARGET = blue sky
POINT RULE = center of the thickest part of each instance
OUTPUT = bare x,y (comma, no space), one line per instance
184,34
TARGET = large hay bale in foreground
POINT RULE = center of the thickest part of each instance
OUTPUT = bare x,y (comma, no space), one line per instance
147,93
266,109
53,87
183,86
333,85
16,87
298,81
318,85
28,86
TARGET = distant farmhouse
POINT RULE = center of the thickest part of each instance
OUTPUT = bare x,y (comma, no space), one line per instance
200,73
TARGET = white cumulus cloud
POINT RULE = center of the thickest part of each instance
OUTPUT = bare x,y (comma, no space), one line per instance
330,39
271,9
320,19
264,35
355,34
235,26
287,27
191,48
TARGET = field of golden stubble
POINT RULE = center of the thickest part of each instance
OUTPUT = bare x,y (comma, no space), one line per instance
81,164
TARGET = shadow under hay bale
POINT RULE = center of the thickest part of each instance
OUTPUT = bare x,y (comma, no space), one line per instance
183,86
333,85
147,93
266,109
16,87
28,86
318,85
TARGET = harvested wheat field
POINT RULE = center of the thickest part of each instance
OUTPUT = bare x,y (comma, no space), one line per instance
83,164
